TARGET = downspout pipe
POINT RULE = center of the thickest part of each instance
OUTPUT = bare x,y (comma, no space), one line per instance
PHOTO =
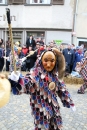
74,18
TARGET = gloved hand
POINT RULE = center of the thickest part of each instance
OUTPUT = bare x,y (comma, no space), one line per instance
14,76
73,108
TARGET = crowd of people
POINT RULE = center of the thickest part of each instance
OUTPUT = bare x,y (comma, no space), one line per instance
72,54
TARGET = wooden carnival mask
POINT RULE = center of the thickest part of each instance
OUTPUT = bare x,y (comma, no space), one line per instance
49,61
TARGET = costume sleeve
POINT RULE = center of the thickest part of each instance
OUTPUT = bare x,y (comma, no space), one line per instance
24,85
29,86
83,71
64,95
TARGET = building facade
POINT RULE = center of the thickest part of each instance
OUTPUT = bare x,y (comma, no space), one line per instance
48,19
80,23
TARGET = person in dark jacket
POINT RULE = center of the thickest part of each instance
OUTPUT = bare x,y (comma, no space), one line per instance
1,57
41,48
30,61
30,42
69,55
8,50
1,41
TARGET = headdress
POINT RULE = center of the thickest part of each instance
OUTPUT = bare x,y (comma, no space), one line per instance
60,62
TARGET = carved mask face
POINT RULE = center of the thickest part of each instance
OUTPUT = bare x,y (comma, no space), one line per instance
49,61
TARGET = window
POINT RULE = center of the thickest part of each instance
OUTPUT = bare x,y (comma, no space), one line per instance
36,35
58,2
17,35
3,1
82,42
38,1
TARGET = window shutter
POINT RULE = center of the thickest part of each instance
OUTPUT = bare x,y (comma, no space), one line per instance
57,2
10,2
17,1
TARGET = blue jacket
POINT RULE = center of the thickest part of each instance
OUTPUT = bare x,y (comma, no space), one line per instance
1,52
69,56
78,58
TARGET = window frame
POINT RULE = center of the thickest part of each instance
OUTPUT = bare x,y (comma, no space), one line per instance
29,2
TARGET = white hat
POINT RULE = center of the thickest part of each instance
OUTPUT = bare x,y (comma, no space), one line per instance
17,43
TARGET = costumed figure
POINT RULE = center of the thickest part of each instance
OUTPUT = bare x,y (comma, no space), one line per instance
43,85
81,67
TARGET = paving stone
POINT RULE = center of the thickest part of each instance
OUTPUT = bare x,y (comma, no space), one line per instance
16,115
4,128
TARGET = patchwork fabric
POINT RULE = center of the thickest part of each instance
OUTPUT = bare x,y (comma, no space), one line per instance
43,101
83,71
82,88
83,74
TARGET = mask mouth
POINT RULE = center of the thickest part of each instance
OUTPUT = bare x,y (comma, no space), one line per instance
48,68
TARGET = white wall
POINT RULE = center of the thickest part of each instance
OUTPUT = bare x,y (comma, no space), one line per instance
65,36
81,23
55,16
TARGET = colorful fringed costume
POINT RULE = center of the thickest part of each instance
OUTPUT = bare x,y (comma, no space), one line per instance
83,73
43,101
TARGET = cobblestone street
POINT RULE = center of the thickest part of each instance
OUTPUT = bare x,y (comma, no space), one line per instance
16,115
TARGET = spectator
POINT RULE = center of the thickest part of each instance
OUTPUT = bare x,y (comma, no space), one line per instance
61,47
77,48
31,59
37,45
1,41
17,44
24,50
69,55
8,50
52,44
20,53
73,46
1,57
8,44
20,56
41,49
30,42
84,49
79,54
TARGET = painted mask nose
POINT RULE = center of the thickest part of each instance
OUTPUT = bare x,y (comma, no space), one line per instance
48,64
